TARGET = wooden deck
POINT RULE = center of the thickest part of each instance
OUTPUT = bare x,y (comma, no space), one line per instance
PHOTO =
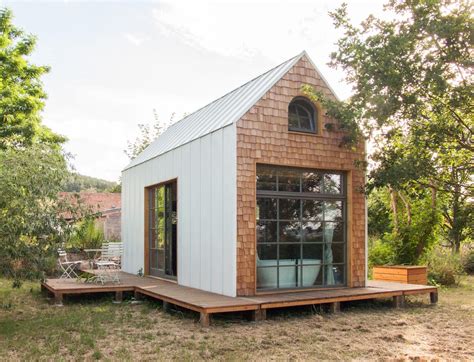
207,303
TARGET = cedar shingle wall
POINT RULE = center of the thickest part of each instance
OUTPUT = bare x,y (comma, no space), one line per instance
263,137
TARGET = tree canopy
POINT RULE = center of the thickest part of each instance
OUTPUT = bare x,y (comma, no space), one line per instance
412,80
148,133
21,90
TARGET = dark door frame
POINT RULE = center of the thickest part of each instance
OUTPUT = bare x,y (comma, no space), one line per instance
147,230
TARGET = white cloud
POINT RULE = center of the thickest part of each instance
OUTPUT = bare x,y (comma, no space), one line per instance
134,38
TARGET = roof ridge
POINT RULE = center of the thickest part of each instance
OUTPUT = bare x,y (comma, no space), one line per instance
235,89
217,114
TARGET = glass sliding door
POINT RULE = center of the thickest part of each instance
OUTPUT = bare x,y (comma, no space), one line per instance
301,228
162,229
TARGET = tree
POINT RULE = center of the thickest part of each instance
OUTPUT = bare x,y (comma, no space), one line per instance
148,133
21,91
77,183
34,221
412,79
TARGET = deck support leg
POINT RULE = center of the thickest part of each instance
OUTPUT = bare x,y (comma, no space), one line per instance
434,297
137,295
258,315
58,299
399,301
118,297
335,307
205,319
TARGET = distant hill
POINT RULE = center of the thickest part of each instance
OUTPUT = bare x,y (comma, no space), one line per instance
78,183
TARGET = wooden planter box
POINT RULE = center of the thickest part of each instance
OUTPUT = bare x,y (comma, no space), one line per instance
407,274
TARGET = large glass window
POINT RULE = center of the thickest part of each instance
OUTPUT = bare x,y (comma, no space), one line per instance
301,228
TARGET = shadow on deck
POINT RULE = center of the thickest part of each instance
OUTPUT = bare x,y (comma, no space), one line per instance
207,303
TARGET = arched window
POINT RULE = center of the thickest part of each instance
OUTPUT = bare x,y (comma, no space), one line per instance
302,116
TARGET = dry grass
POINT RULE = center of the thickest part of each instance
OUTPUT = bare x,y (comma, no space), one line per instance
94,328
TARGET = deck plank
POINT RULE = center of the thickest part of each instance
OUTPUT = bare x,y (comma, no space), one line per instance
207,302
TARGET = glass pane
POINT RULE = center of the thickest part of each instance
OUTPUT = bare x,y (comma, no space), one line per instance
310,275
266,208
333,210
312,182
289,209
161,259
267,232
312,232
333,232
312,210
289,232
289,180
153,239
267,278
161,234
334,274
332,184
153,219
305,123
287,275
334,253
312,253
292,121
154,259
289,253
266,255
266,178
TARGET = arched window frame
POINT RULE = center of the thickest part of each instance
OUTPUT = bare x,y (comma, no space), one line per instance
313,112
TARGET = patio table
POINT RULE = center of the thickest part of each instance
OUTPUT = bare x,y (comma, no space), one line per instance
95,254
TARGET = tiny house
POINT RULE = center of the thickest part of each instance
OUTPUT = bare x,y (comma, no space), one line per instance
250,194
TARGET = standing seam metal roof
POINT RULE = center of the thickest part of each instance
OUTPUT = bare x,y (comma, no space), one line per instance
216,115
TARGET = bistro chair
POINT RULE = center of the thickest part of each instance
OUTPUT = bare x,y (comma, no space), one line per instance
66,267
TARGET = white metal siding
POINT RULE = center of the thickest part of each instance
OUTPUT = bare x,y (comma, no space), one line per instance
206,173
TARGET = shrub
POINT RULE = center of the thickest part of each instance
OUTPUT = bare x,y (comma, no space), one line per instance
444,267
468,262
86,235
380,253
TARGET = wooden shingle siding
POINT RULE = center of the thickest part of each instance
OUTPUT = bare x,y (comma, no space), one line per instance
263,137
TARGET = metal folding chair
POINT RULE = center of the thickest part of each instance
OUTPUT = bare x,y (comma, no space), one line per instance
107,271
66,267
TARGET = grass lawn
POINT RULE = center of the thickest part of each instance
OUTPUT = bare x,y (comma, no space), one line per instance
95,328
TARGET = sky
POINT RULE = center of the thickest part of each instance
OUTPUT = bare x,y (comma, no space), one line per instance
113,63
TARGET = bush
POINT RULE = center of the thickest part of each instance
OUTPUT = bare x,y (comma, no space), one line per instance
468,262
380,253
444,267
86,235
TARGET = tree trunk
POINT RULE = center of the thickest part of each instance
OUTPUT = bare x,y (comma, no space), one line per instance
393,204
456,227
407,207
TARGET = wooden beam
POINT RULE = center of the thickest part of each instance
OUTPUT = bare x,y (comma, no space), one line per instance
399,301
335,307
58,299
137,295
205,319
258,315
118,296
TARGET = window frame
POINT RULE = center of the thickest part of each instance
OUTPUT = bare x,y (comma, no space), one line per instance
323,195
314,115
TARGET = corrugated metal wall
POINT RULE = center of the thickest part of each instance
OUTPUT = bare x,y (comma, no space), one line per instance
206,172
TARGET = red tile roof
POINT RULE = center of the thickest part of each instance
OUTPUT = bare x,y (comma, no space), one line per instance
97,201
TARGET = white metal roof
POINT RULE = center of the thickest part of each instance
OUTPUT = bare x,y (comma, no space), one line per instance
216,115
